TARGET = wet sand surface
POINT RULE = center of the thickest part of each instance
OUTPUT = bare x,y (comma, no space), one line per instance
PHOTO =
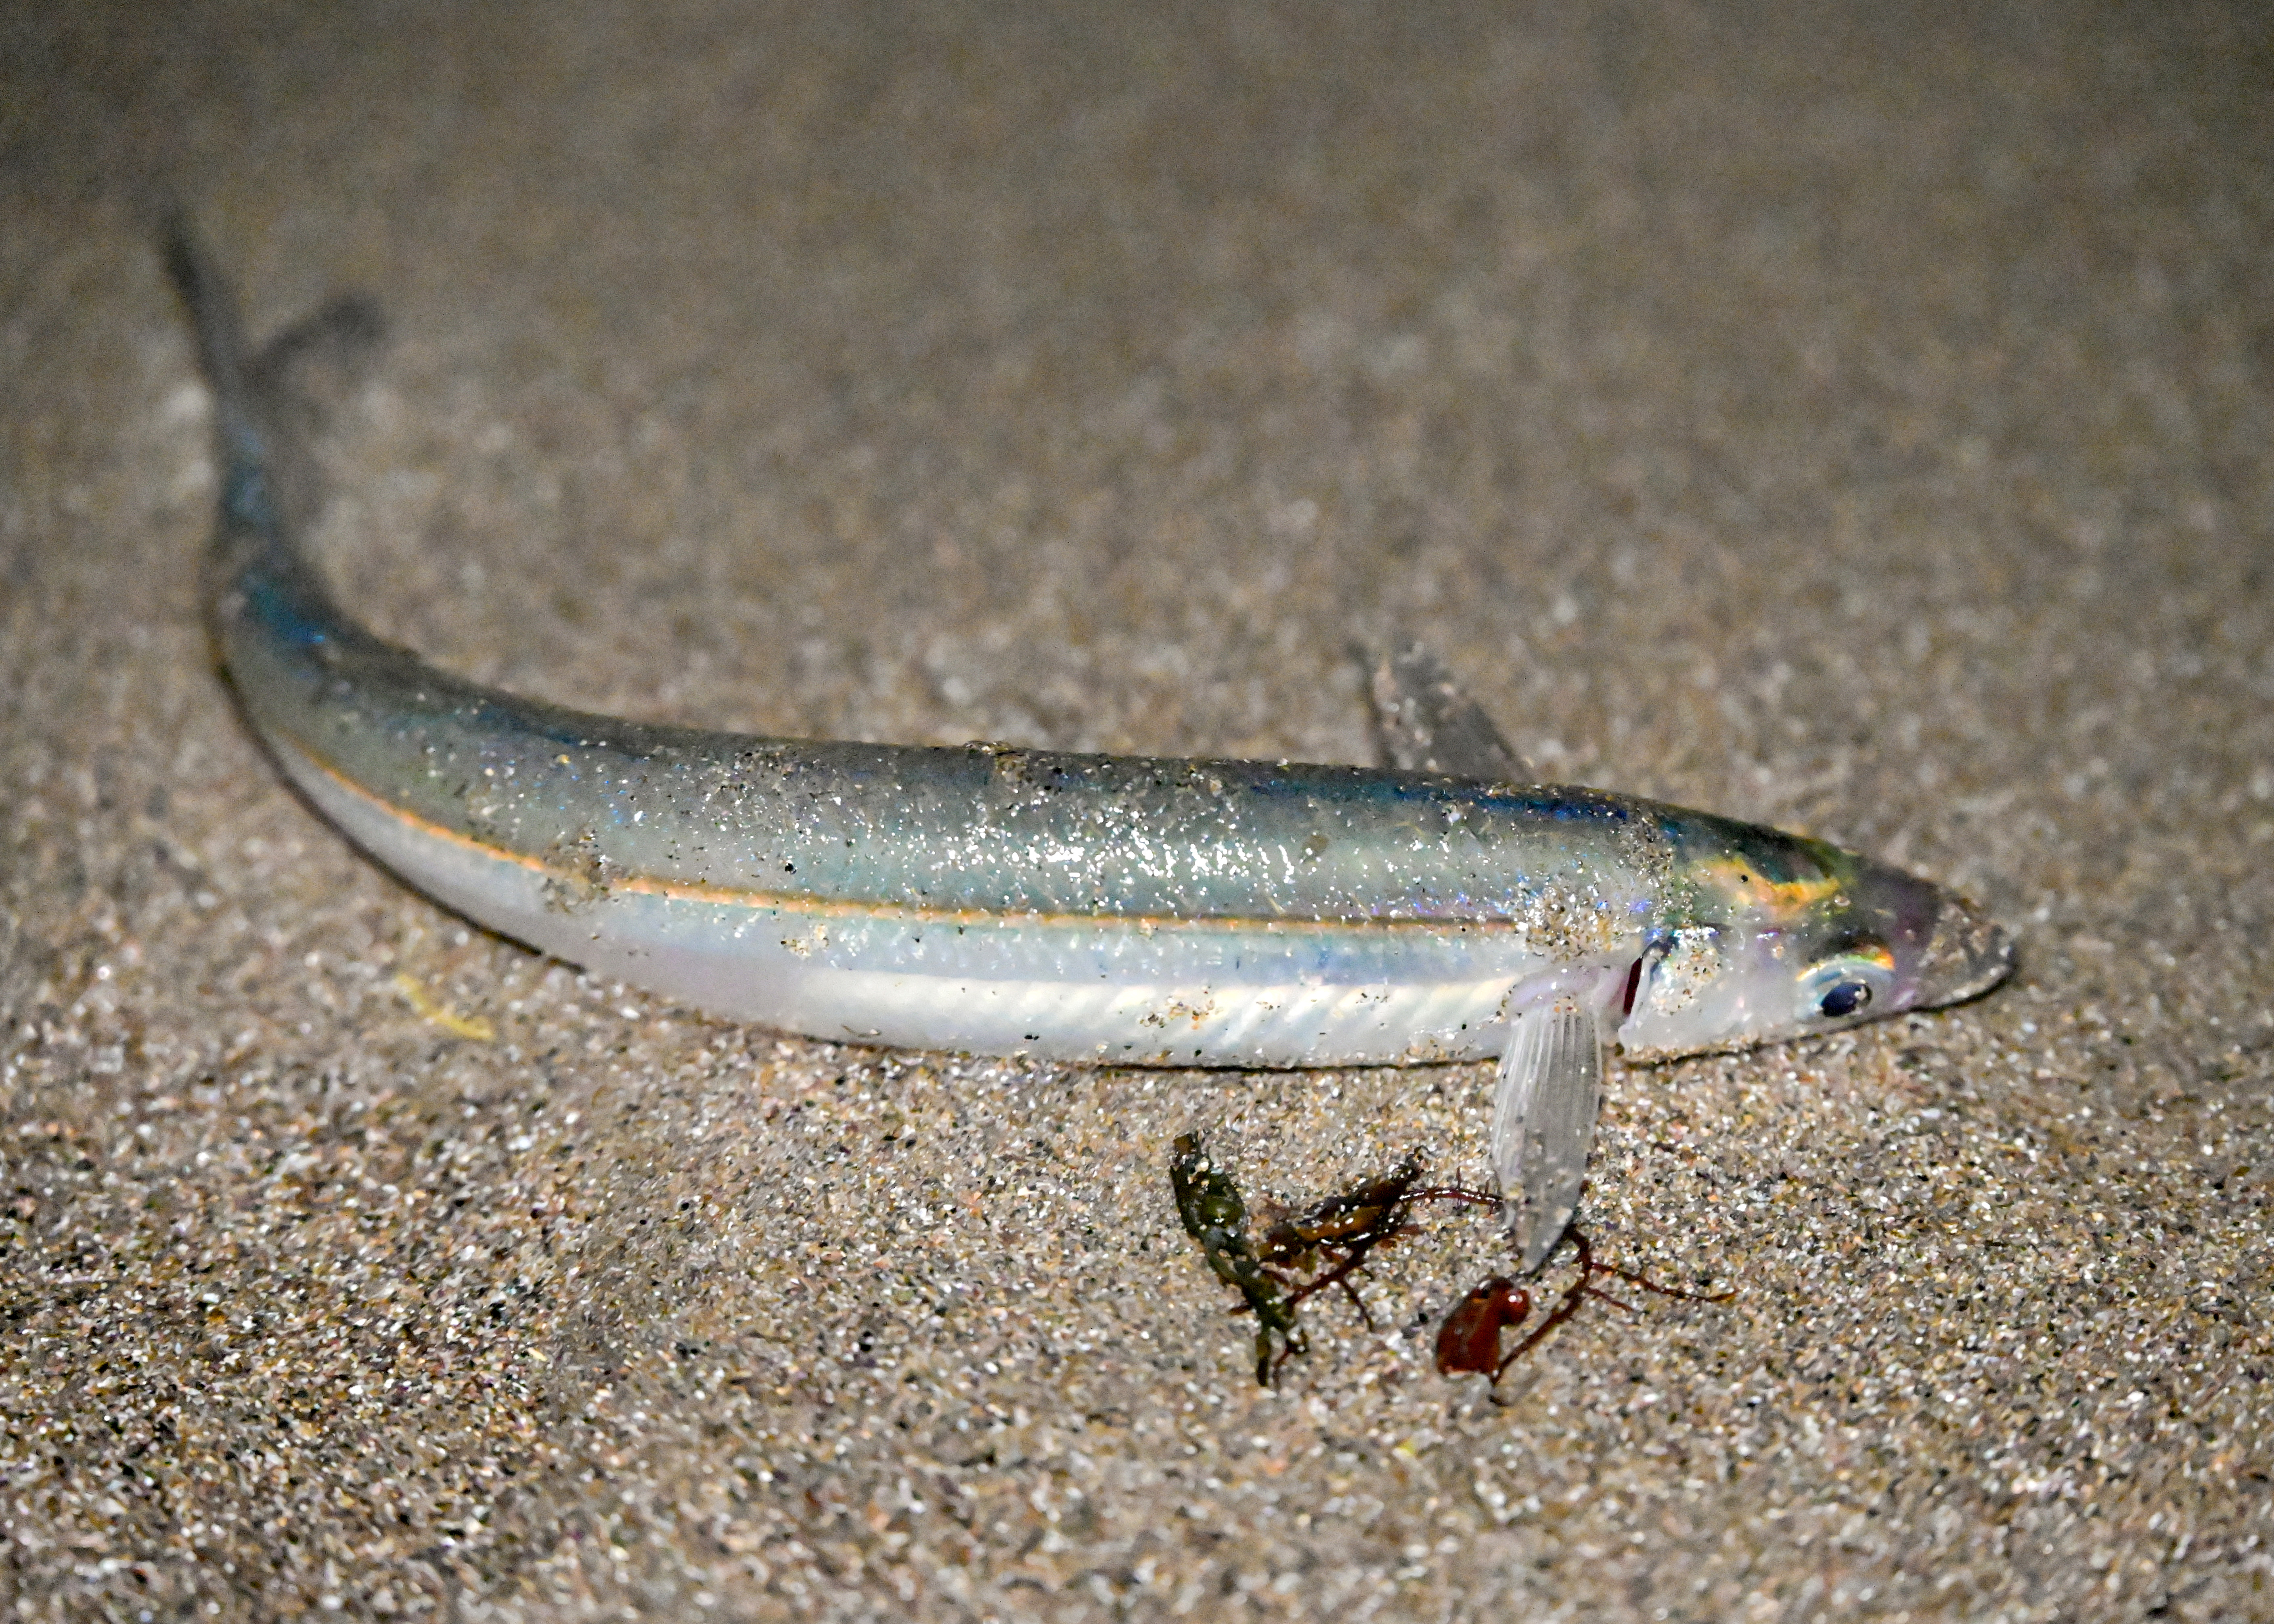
1851,418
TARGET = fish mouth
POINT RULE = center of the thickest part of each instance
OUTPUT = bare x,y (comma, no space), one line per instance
1966,954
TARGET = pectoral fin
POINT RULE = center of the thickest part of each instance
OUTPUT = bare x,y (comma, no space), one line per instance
1428,725
1551,1086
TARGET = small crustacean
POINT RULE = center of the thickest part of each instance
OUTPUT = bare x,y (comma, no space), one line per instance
1469,1340
1335,1235
1120,910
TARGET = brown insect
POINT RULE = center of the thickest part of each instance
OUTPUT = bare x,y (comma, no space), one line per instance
1469,1340
1345,1227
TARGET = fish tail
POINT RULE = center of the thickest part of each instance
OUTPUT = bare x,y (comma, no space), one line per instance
262,418
218,326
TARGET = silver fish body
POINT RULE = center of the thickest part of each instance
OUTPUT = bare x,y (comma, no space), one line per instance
1208,913
1085,907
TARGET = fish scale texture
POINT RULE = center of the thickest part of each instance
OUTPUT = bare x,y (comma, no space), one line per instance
1850,417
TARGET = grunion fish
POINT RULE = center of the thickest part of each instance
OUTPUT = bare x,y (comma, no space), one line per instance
1099,908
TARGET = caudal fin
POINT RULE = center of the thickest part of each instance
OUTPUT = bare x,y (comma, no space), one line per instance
219,327
265,408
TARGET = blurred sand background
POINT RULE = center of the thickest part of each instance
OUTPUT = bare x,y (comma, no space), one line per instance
1852,416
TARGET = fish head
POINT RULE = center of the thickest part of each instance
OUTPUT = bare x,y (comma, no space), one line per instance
1768,935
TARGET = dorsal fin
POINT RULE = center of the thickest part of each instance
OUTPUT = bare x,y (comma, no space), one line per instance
1427,723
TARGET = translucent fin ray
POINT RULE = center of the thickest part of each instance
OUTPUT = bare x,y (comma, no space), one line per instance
1543,1126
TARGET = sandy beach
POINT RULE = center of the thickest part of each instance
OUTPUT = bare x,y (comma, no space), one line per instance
1848,418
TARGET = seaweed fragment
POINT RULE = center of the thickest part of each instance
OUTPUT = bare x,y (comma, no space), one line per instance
1331,1239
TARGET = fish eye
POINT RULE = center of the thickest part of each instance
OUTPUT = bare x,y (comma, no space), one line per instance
1844,998
1847,984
